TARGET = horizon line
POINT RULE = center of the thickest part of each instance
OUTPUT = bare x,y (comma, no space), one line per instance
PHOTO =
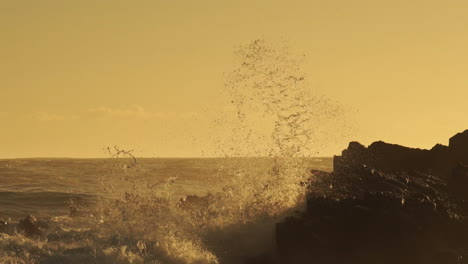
162,157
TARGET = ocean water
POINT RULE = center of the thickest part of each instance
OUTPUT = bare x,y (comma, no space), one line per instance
122,210
45,187
123,219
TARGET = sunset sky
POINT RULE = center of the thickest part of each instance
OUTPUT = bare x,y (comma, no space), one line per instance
77,76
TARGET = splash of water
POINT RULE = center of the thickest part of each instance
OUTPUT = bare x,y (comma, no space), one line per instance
265,145
264,170
276,116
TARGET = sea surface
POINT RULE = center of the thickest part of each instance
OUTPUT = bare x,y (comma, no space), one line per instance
45,187
125,210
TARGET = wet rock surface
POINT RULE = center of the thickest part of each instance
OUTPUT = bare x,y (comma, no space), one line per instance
438,161
6,227
373,217
29,226
384,204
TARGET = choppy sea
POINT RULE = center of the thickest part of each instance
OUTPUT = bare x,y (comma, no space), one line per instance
155,233
44,187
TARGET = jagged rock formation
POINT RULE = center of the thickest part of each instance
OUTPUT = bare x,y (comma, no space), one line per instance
384,204
438,161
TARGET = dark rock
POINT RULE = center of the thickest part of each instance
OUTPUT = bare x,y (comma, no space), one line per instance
265,258
3,225
6,227
30,226
392,221
459,144
439,161
458,182
384,204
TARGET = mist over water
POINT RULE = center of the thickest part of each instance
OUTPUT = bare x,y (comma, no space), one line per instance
266,147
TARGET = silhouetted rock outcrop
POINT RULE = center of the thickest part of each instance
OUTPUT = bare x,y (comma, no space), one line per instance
439,161
384,204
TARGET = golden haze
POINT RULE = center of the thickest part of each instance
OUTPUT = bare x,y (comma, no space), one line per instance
80,75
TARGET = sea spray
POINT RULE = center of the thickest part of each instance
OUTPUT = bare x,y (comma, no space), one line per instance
267,142
144,219
263,180
274,119
265,149
264,174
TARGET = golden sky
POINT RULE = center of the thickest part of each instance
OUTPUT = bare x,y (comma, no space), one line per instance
77,76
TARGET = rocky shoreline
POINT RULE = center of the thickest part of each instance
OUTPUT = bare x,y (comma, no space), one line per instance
383,204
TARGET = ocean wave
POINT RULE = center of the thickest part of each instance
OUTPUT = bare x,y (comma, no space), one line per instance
42,204
140,220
